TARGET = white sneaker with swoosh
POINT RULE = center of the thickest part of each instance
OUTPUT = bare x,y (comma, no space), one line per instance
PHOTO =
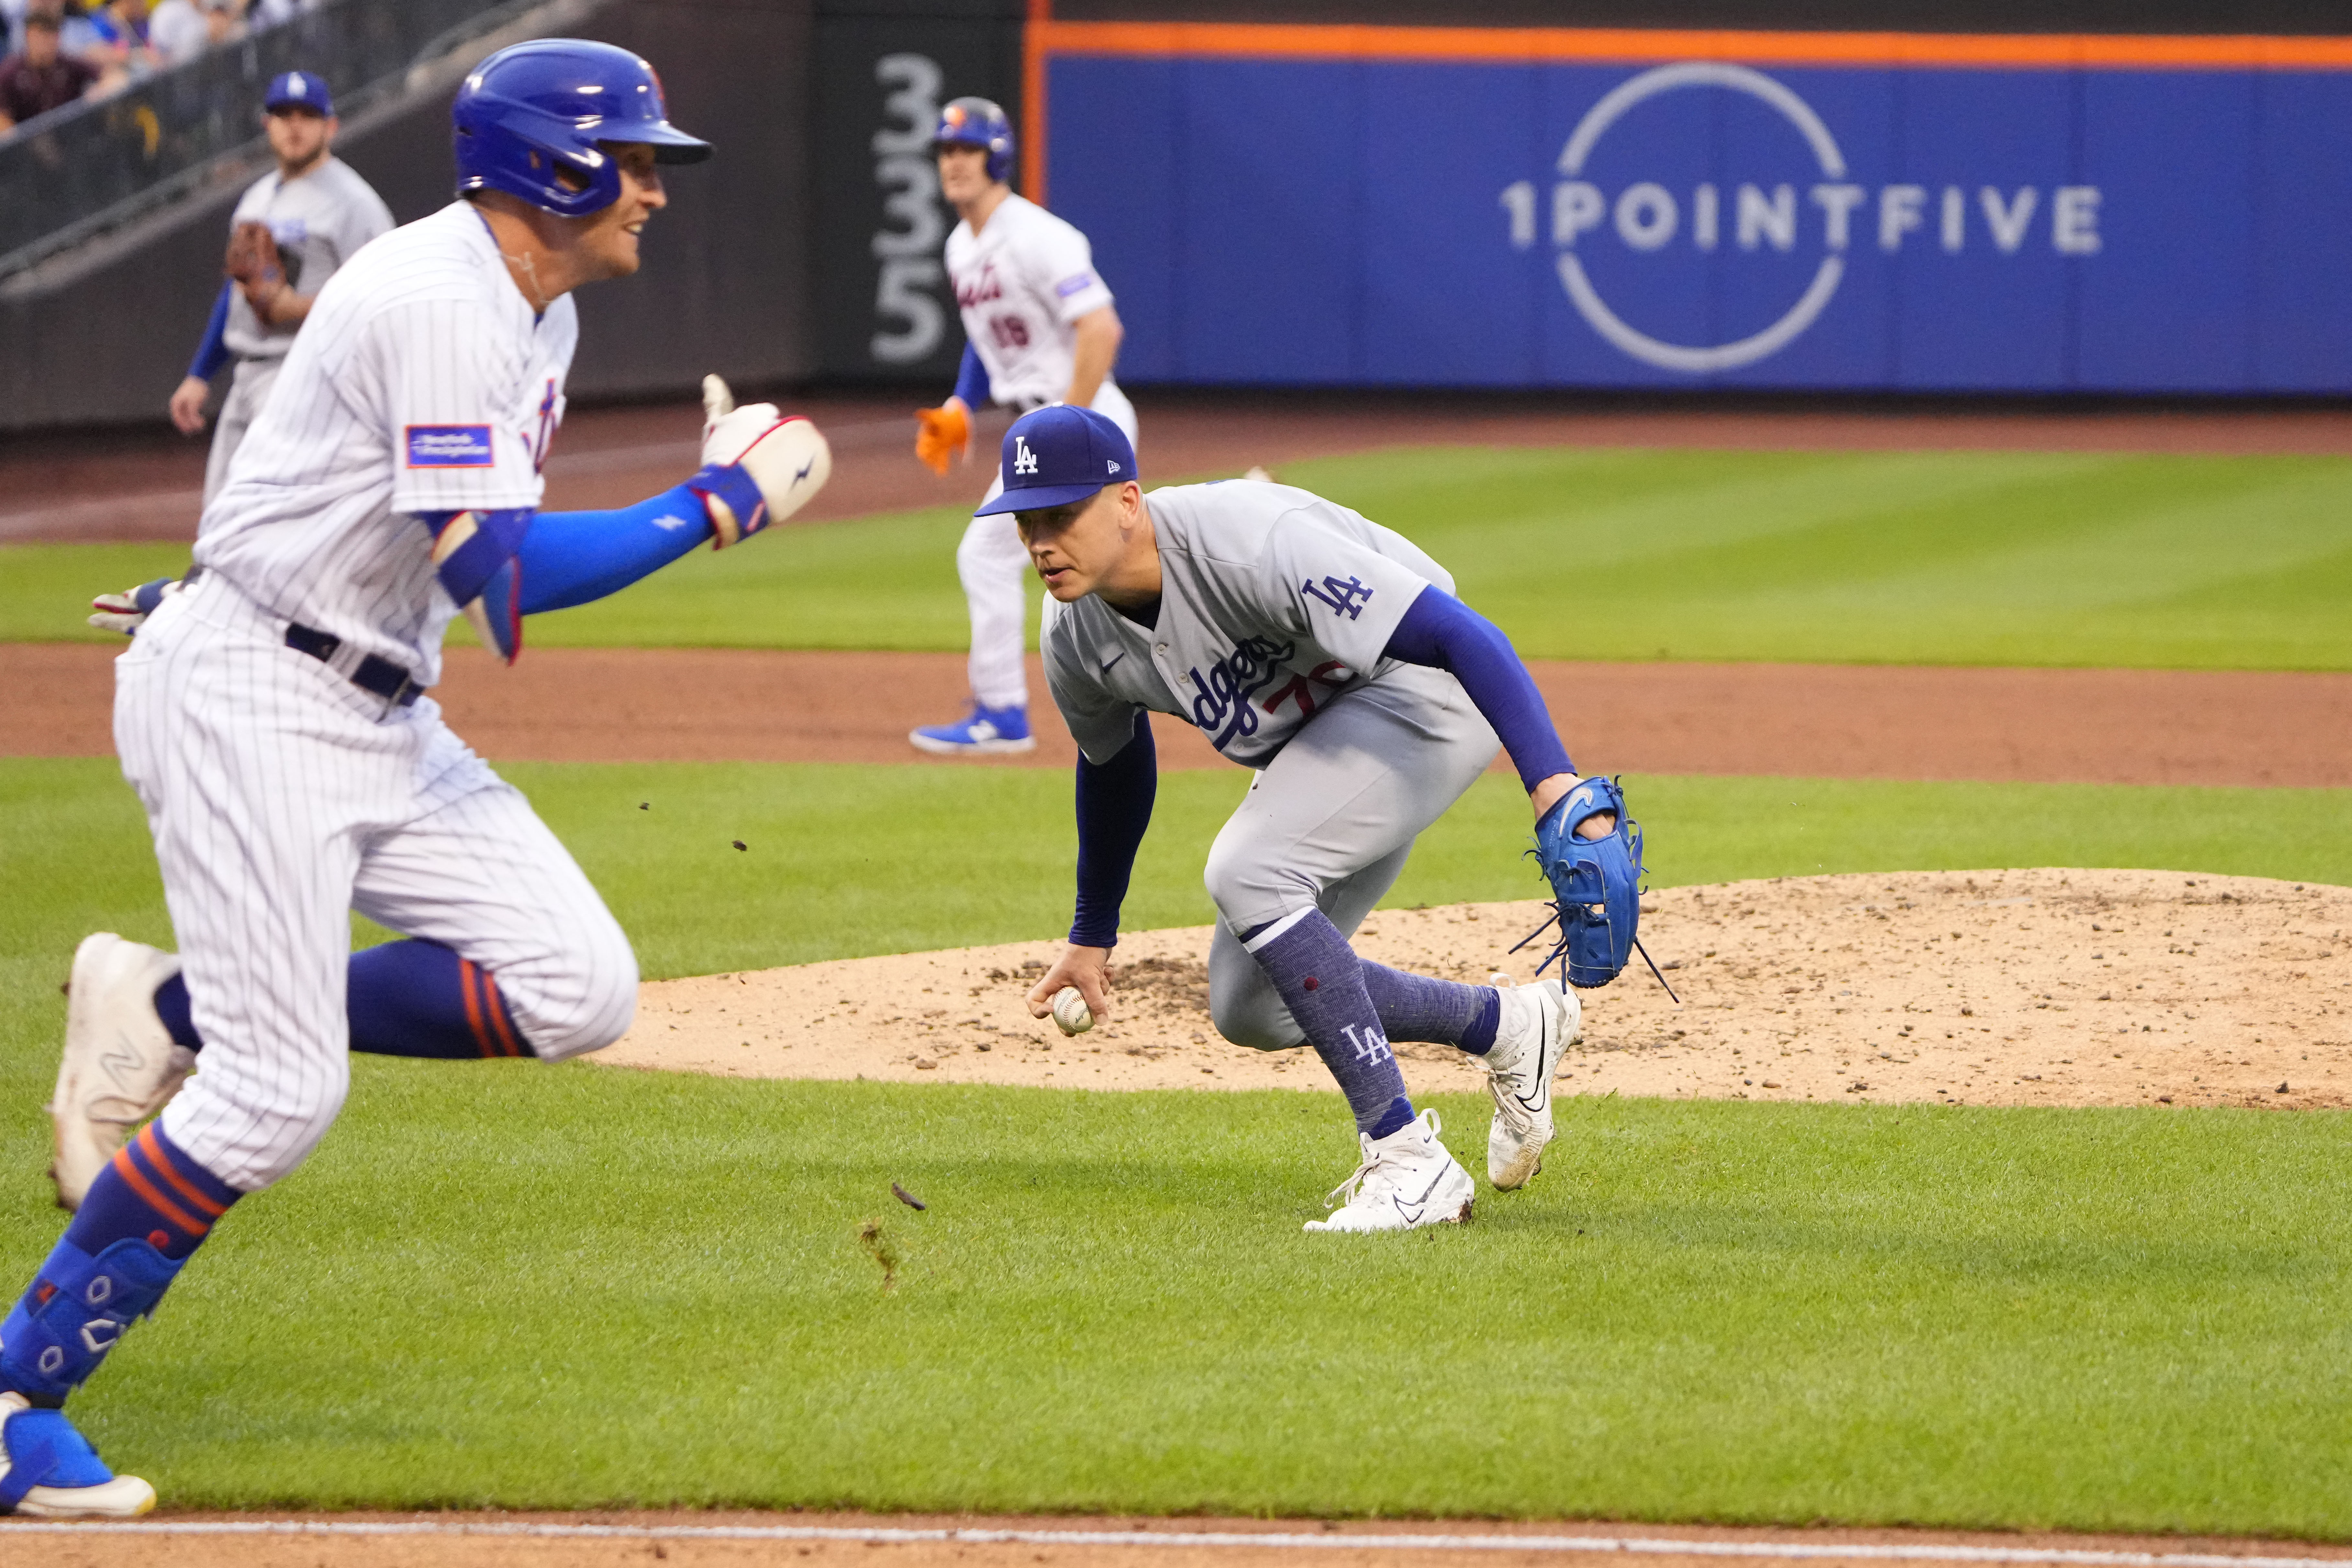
1406,1180
1540,1022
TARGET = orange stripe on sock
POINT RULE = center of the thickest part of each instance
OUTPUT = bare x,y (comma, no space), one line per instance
152,1147
482,1041
495,1005
154,1197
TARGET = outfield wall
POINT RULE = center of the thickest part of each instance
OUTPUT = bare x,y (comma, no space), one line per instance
1367,205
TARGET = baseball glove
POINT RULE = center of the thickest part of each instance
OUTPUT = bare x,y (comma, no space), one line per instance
1596,884
253,263
941,432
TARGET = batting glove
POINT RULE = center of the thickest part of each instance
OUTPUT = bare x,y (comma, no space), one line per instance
127,611
758,466
943,434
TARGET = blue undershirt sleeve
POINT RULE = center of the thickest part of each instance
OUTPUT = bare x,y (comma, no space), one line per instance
972,380
1113,808
1442,632
212,352
573,557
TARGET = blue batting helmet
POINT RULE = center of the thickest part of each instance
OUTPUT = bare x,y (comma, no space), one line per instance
977,122
533,111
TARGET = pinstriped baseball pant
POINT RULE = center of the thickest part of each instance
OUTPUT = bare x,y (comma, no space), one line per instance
281,797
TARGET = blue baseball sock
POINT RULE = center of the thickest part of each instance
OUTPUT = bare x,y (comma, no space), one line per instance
147,1211
1321,981
407,999
1422,1007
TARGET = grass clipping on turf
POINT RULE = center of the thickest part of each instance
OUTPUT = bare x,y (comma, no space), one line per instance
2034,987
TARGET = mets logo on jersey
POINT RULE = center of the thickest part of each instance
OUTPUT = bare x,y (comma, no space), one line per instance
449,446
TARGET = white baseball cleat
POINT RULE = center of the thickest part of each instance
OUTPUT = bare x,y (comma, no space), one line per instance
1540,1022
120,1065
1407,1180
48,1470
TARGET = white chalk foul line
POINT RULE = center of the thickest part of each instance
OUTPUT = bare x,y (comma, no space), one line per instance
1326,1540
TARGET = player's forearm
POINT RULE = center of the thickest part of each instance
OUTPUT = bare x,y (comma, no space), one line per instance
1442,633
971,387
571,557
212,352
1114,801
290,309
1091,356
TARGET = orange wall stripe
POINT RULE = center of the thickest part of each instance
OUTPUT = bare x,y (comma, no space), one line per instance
1033,98
1241,40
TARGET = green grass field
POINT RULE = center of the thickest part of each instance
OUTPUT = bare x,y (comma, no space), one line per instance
520,1286
566,1287
1927,557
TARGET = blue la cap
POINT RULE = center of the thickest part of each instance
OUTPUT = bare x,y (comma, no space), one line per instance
293,90
1056,455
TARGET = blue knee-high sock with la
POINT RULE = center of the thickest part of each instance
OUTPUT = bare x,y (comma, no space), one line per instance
147,1211
1443,1012
405,999
1321,981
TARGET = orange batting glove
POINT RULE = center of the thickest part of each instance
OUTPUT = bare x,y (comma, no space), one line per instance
942,433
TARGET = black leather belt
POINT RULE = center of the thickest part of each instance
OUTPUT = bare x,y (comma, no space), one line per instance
379,675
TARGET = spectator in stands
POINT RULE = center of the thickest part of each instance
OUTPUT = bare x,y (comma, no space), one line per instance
44,77
180,30
119,49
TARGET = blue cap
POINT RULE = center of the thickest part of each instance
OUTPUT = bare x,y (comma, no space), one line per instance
299,90
1056,455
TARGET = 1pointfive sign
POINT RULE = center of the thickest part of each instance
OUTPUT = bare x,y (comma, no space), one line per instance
1778,190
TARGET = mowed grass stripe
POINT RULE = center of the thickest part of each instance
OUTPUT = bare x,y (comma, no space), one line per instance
1925,557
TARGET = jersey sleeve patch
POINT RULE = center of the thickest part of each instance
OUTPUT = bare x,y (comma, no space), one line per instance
449,446
1076,284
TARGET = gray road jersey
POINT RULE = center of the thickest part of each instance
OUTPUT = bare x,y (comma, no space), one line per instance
319,220
1272,601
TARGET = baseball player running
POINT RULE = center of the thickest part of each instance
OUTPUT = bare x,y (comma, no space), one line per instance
1329,655
292,228
1038,328
271,716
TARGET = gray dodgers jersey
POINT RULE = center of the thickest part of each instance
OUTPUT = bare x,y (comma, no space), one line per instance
1272,601
319,220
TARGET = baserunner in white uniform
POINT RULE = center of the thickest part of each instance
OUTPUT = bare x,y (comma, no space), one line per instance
316,212
271,716
1328,654
1039,327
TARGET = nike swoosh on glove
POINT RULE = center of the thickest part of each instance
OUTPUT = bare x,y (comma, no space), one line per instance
786,458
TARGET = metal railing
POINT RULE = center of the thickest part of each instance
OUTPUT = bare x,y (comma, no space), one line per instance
83,168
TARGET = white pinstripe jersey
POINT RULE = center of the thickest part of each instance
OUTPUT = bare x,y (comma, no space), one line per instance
420,382
1020,283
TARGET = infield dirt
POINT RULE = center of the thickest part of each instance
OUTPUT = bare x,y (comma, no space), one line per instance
2038,987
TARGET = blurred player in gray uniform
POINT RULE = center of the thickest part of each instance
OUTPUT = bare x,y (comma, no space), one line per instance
1328,654
1039,328
316,212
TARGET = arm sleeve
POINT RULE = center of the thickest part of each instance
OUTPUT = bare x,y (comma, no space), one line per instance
972,380
1113,808
1061,267
571,557
446,375
1442,632
1336,588
212,354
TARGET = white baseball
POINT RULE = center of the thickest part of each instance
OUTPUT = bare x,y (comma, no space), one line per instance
1071,1012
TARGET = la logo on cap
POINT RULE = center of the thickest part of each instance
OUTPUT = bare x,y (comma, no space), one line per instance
1024,461
297,88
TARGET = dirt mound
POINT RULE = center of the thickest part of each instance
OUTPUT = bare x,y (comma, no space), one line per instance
2041,987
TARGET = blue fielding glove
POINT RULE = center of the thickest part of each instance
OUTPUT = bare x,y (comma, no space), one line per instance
1596,883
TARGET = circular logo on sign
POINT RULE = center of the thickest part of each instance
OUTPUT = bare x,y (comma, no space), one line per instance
1646,217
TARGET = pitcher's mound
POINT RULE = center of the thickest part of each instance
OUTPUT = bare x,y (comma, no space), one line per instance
2042,988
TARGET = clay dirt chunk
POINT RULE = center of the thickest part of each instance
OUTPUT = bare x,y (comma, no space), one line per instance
2039,987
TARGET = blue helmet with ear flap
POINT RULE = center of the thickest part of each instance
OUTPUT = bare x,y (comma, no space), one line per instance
531,120
978,123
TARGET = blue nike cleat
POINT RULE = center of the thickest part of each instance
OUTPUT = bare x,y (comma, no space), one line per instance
983,732
51,1471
